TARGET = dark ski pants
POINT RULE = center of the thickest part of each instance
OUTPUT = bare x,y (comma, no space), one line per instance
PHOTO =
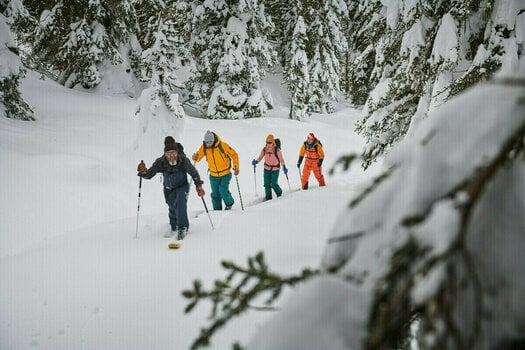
177,200
271,181
220,191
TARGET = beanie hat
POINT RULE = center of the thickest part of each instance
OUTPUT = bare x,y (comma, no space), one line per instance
209,137
170,146
311,135
168,139
270,138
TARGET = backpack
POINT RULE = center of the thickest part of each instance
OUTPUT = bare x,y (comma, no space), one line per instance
316,144
277,146
277,143
221,149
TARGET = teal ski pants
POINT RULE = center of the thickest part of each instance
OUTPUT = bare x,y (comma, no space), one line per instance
271,179
220,191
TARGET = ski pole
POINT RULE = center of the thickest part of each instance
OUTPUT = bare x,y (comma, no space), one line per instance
287,179
300,178
255,180
207,212
138,208
239,189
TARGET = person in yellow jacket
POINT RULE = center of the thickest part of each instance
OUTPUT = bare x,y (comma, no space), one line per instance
220,157
312,149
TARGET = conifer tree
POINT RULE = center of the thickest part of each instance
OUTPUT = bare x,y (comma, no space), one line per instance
296,72
419,51
231,52
329,45
362,26
284,16
160,63
72,40
12,104
150,12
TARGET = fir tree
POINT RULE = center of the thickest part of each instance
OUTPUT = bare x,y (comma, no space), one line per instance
329,45
231,53
151,12
160,63
362,27
418,56
296,72
12,104
72,40
284,15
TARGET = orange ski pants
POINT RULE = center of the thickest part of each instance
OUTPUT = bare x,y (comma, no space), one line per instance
309,166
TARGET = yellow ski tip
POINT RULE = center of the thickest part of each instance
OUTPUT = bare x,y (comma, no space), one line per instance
174,245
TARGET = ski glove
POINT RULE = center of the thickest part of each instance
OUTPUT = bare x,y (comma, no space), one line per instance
285,171
141,168
235,171
299,161
194,156
319,162
200,191
254,162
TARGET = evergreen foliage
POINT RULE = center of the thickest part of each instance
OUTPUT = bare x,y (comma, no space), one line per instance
414,56
365,27
12,104
394,308
238,293
296,73
71,40
231,52
328,45
160,62
152,13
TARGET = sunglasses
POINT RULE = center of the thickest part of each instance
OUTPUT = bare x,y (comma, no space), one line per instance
208,142
171,153
269,143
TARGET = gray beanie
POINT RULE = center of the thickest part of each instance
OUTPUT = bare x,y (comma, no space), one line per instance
209,137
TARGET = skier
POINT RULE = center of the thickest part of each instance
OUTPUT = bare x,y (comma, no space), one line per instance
273,158
219,156
174,167
313,149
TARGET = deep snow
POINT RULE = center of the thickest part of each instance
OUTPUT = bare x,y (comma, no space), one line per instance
72,273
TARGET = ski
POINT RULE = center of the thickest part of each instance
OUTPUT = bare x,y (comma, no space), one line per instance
175,244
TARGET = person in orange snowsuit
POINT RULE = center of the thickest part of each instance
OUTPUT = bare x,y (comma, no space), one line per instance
312,149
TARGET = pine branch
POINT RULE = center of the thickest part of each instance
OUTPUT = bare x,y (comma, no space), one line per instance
393,307
237,292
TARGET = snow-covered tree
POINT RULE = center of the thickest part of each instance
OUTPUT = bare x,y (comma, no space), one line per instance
445,249
159,108
284,16
12,104
161,60
231,52
428,52
151,12
296,72
328,46
75,41
362,26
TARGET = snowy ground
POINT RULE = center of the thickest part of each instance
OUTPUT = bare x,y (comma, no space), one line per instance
72,273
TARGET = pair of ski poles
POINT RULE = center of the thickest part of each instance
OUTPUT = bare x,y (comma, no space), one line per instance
255,180
138,208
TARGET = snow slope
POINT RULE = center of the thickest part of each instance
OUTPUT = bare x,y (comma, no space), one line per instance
72,273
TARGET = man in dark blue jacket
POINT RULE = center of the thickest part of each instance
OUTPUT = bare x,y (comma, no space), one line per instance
174,167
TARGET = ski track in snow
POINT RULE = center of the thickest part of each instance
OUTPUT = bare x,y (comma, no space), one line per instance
72,273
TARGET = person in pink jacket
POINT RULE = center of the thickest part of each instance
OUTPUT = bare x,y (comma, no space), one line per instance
273,159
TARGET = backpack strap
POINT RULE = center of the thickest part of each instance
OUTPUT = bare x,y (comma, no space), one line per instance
276,156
